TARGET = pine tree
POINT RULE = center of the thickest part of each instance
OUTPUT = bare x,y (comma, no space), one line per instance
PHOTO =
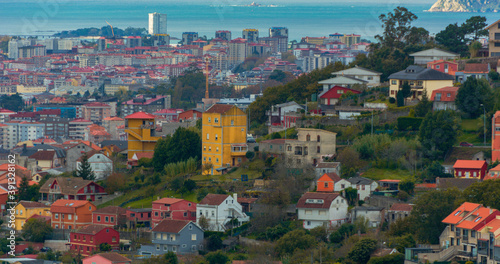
84,171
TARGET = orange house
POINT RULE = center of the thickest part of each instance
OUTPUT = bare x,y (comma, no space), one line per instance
71,214
326,183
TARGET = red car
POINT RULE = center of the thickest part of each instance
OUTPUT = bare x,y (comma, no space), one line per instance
466,144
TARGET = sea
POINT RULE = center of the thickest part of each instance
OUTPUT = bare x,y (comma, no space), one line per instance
302,18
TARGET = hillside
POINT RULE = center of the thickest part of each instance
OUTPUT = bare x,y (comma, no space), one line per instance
465,6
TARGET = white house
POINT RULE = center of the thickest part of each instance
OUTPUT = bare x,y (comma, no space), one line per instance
101,165
425,56
371,77
374,215
322,209
219,209
364,186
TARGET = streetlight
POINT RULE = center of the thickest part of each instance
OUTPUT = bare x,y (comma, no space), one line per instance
484,123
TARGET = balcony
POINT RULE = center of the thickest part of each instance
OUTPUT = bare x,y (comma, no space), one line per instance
239,148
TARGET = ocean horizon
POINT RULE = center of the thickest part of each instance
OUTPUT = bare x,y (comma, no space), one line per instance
316,19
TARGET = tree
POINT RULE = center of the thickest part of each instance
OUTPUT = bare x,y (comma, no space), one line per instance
437,133
406,90
424,106
214,242
36,230
24,190
293,240
170,258
182,145
104,247
12,102
429,211
407,185
400,99
485,193
351,196
474,47
362,250
217,257
190,185
474,27
84,171
86,94
453,38
349,158
397,27
471,94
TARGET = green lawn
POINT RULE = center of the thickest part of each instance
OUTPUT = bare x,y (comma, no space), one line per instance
380,174
471,124
147,200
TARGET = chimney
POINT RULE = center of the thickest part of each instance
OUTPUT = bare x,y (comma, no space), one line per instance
235,196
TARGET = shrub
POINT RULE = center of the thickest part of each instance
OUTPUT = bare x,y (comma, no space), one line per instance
409,123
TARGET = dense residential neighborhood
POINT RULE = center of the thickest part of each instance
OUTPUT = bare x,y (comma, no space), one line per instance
145,148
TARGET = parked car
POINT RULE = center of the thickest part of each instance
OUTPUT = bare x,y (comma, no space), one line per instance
45,249
466,144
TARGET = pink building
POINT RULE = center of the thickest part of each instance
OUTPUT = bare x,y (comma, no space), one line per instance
174,209
107,258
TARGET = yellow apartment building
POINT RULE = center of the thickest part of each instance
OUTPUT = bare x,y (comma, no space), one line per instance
224,138
140,128
27,209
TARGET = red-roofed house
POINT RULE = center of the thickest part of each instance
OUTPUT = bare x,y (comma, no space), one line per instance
71,214
448,67
475,169
326,183
464,228
107,258
493,174
332,96
444,98
86,240
134,161
190,115
172,208
112,216
219,210
47,159
322,209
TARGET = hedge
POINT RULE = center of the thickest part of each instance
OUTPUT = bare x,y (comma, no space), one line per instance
409,123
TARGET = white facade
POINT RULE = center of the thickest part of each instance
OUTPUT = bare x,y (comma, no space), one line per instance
364,188
219,215
101,165
371,77
334,215
157,23
425,56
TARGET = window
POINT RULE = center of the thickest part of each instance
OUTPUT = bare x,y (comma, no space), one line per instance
165,248
56,216
209,120
217,149
308,223
209,148
193,237
208,136
216,137
437,67
185,214
209,159
204,158
308,212
156,213
394,82
217,160
288,148
113,239
318,138
204,148
308,137
318,150
69,217
216,120
172,237
232,122
106,219
174,249
326,184
473,233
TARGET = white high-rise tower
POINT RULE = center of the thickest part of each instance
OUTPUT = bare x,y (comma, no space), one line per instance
157,23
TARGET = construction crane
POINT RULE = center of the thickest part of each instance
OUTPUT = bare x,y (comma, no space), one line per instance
112,32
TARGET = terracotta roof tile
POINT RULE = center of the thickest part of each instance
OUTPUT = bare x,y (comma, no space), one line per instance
469,164
214,199
91,229
476,68
219,108
140,115
114,257
326,197
401,207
